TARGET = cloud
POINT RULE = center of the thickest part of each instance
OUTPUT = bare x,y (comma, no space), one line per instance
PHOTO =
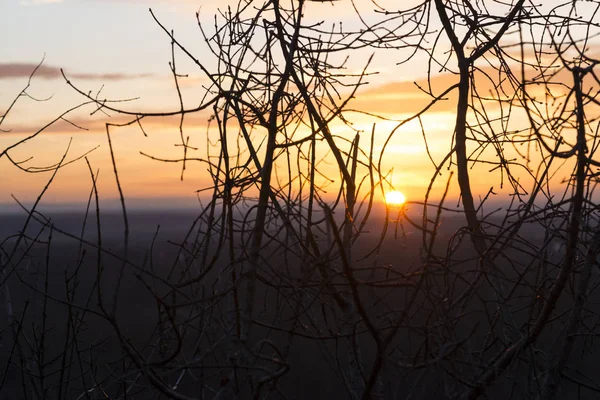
97,124
37,2
407,97
18,70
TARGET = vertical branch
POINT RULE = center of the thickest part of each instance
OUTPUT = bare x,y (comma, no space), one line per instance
125,223
267,166
573,231
354,354
554,371
460,130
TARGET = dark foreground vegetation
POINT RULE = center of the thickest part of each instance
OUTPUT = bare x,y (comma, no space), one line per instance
62,344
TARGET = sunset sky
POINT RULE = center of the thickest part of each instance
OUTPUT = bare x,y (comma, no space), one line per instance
115,45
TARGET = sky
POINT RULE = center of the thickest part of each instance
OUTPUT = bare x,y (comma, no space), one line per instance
115,47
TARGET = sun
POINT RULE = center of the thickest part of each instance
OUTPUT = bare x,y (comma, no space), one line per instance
395,198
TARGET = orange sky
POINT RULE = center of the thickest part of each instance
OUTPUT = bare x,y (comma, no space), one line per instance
145,178
391,94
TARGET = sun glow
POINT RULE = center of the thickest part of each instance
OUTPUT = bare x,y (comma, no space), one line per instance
395,198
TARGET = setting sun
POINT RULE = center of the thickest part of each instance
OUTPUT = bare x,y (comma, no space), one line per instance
395,198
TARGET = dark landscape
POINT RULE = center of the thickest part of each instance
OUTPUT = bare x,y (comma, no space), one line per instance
315,349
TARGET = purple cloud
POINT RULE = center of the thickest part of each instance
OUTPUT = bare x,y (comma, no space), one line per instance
18,70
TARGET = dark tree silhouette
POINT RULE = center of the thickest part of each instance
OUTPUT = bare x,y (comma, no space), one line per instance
287,282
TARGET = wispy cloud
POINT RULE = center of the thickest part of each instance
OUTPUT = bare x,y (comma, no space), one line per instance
38,2
86,124
17,70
